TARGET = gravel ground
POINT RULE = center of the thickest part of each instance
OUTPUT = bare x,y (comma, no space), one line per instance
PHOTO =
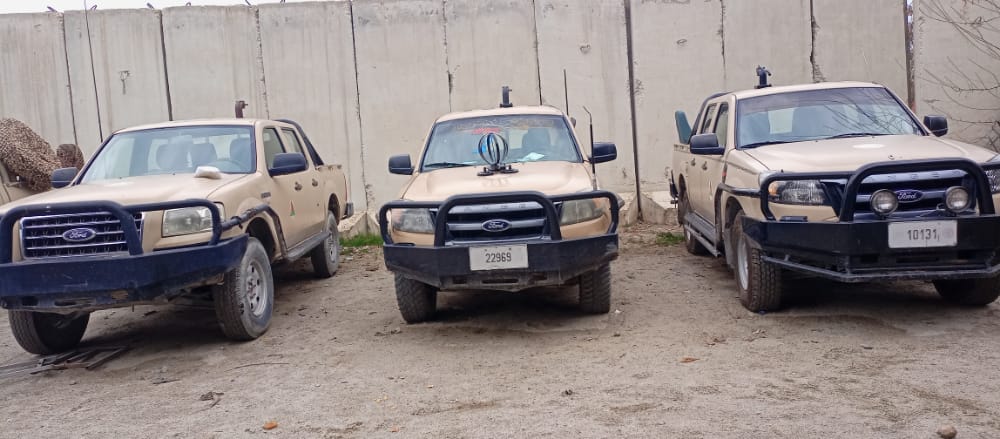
677,357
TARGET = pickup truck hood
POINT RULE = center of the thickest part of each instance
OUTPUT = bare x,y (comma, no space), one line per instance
851,153
132,190
550,178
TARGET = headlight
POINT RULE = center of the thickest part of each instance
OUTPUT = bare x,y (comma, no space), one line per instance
186,221
957,199
884,202
797,192
578,211
993,175
412,220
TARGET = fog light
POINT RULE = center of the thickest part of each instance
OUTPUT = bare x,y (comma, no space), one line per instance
884,202
957,199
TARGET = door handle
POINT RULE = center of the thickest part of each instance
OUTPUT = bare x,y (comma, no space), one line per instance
298,186
692,162
704,166
315,183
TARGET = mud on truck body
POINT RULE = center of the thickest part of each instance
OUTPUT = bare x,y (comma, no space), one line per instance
203,207
838,181
502,199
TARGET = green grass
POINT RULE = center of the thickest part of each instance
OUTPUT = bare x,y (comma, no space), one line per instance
667,238
364,240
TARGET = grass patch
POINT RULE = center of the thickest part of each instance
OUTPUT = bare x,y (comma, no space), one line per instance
667,238
363,240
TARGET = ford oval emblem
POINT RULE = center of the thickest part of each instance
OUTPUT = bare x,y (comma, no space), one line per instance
496,225
81,234
909,195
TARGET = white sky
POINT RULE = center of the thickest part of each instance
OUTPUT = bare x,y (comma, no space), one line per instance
12,6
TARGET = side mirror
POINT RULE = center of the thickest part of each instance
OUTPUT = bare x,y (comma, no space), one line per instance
288,163
706,144
683,127
62,177
400,164
937,124
604,152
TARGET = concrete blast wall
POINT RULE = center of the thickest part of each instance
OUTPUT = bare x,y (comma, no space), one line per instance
34,82
869,46
127,68
956,59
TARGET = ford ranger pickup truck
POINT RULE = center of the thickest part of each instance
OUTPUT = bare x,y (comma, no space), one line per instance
162,210
839,181
501,199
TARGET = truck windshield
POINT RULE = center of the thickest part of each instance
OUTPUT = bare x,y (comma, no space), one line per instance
821,114
174,150
530,137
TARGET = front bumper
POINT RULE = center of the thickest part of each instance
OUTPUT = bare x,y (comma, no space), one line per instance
860,252
551,259
90,283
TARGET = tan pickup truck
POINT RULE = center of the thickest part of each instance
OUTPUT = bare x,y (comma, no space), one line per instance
840,181
501,199
202,207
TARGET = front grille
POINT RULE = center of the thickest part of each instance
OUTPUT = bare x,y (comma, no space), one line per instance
931,185
45,236
526,219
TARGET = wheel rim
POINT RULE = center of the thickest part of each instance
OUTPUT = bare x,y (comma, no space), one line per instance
255,288
333,242
742,266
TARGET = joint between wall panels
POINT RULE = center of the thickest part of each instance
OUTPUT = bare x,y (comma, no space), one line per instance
631,99
817,73
260,60
369,195
166,73
69,80
722,36
447,62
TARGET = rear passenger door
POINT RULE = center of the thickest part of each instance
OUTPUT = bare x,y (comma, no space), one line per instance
287,197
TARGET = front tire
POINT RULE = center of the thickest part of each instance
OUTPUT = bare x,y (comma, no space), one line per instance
417,301
245,300
326,256
595,290
47,333
969,292
759,282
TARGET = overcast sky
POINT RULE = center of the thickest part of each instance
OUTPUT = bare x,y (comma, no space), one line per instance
10,6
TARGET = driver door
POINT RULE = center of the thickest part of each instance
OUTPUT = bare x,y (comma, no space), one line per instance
714,164
699,196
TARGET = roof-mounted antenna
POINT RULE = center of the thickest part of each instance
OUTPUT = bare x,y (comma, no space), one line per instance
505,103
240,105
762,74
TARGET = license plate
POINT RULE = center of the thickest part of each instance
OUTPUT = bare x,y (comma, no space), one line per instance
916,234
498,257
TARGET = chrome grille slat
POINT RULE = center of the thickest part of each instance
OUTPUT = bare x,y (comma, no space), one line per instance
519,224
42,236
465,223
932,185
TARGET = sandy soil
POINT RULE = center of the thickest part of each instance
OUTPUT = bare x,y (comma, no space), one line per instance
876,360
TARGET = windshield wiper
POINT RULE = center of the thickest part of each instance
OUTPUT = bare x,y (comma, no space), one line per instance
445,165
845,135
767,142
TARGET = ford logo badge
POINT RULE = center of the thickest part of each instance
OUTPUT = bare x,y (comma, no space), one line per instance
909,195
496,225
82,234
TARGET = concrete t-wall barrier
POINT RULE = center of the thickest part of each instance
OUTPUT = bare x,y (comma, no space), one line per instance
956,63
402,83
126,72
587,39
309,53
868,46
772,33
34,81
489,45
213,59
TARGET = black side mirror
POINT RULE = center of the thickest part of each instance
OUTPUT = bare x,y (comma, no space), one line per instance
62,177
400,164
288,163
604,152
937,124
706,144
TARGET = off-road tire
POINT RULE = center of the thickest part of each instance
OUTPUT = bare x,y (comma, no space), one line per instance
691,244
969,292
244,316
326,256
46,333
595,290
417,301
761,290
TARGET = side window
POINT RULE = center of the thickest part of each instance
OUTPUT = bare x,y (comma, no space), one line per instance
272,146
722,124
707,119
292,140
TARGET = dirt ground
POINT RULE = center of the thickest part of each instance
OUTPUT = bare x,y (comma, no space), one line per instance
677,357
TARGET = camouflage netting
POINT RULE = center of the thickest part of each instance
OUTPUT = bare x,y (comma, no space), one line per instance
26,154
70,156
